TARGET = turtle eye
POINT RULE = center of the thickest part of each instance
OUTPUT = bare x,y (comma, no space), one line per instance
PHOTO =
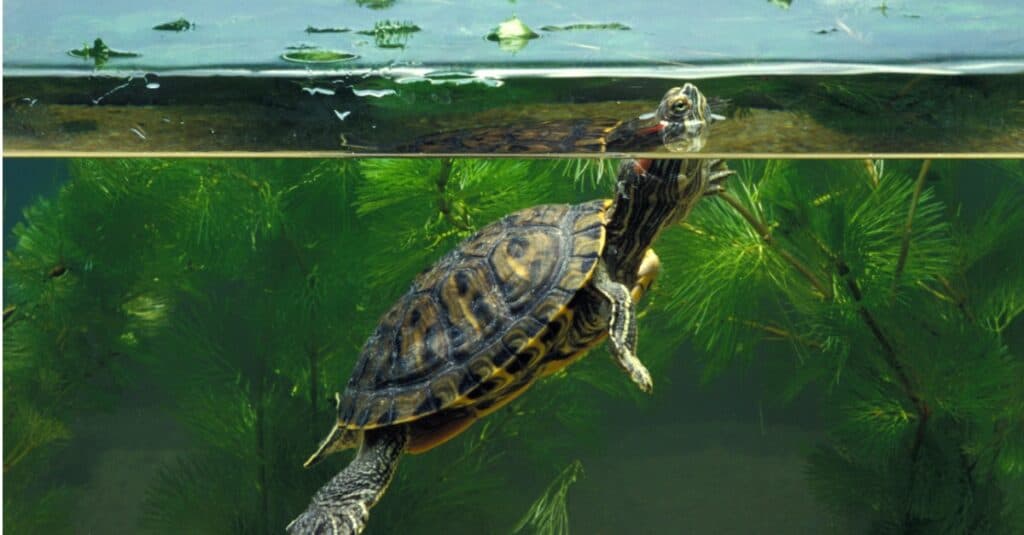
681,105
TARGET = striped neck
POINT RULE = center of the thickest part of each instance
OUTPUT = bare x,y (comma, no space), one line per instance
651,195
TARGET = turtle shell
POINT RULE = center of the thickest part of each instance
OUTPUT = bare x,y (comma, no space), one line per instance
475,320
581,135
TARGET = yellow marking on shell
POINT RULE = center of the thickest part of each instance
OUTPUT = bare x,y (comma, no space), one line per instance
575,277
407,403
468,314
446,387
378,408
413,344
588,220
589,246
524,261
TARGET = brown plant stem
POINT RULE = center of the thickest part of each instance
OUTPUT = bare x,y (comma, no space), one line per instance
891,358
901,261
776,331
766,236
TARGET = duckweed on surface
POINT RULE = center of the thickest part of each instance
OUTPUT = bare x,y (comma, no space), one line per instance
586,26
100,53
179,25
512,29
314,29
317,55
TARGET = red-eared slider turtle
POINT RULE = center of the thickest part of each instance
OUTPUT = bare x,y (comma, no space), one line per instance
517,301
647,132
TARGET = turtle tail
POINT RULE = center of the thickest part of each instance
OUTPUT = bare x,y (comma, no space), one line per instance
340,438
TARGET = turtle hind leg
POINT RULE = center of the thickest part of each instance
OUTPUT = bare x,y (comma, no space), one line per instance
342,506
622,327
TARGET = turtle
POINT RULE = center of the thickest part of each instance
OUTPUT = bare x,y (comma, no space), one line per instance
584,135
519,300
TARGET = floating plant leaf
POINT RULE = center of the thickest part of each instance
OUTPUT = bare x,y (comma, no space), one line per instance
316,55
391,33
391,27
100,53
179,25
510,29
314,29
512,35
376,4
587,26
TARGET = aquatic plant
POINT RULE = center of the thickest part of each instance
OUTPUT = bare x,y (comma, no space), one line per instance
217,284
549,514
586,26
512,34
306,54
100,53
326,29
375,4
179,25
240,291
391,33
884,295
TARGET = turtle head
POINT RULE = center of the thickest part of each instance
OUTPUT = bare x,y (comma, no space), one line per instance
685,116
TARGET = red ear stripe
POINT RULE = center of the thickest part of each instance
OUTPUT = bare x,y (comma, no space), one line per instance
643,164
650,130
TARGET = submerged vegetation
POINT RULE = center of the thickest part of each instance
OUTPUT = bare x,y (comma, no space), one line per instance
239,292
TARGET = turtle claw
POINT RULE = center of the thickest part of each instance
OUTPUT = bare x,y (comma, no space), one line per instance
718,173
348,520
642,378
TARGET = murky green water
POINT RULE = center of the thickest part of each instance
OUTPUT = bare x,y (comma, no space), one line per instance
174,329
853,76
835,344
893,113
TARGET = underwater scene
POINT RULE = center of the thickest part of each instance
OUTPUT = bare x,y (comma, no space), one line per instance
505,77
816,345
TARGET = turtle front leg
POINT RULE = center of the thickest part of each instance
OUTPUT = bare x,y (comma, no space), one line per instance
622,327
650,266
342,506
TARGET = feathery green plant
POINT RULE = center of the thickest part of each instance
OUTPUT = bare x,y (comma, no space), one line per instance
549,515
856,267
242,290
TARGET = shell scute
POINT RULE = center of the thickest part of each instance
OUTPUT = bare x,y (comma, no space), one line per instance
473,327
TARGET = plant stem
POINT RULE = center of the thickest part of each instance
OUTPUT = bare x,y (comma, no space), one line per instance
766,236
901,262
776,331
314,390
891,358
442,200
